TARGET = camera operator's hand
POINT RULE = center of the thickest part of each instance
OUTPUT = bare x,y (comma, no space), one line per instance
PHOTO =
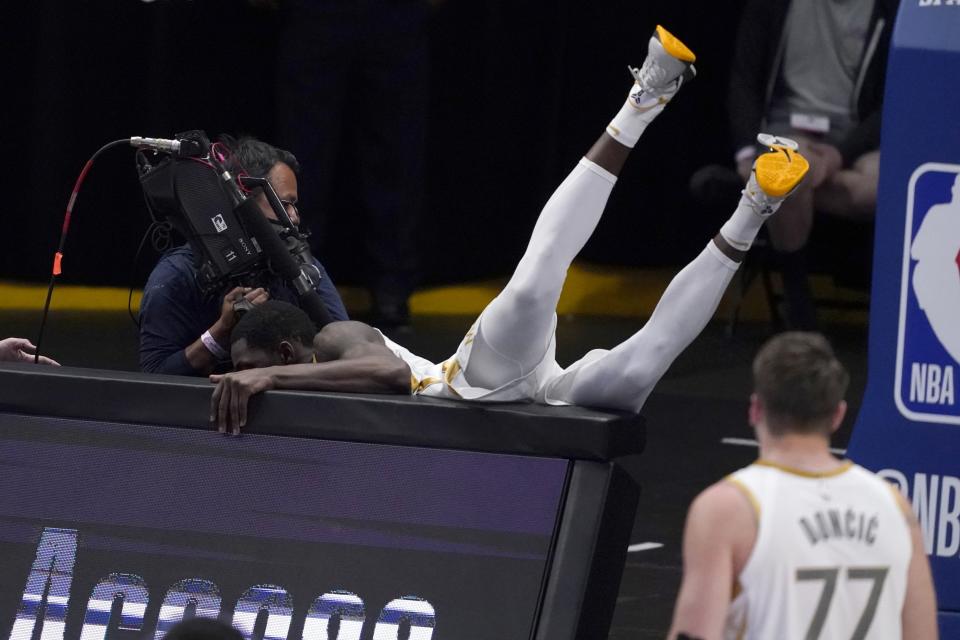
228,406
228,313
213,347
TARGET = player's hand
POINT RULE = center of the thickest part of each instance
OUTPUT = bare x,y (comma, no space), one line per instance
228,314
228,406
21,350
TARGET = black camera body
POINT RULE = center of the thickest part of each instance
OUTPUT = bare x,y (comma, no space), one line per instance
232,240
187,190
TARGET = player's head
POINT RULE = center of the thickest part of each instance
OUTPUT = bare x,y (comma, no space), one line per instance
272,333
202,629
798,386
262,160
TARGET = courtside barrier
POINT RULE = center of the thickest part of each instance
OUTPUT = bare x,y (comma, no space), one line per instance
334,516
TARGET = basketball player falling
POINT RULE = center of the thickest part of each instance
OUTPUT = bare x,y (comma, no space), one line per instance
508,353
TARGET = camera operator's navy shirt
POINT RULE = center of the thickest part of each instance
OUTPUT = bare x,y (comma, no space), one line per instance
174,312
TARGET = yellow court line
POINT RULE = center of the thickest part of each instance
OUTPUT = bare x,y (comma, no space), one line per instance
29,297
589,290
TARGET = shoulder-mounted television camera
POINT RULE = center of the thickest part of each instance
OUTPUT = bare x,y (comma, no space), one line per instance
193,185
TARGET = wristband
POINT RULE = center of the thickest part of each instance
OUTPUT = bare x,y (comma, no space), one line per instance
214,347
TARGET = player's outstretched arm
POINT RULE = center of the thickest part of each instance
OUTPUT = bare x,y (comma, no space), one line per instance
357,361
364,373
919,618
720,527
367,374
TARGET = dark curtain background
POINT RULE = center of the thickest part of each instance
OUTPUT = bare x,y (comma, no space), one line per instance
520,90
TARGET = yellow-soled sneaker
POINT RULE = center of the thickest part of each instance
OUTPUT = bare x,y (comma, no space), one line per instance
776,174
669,64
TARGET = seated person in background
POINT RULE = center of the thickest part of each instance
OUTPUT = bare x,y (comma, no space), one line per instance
508,354
183,332
812,70
21,350
800,544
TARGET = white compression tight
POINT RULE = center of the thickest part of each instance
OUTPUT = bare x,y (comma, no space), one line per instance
516,328
624,376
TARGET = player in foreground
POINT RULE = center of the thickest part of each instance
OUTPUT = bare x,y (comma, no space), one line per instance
800,544
508,354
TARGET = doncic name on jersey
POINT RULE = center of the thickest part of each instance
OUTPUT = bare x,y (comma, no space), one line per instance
928,341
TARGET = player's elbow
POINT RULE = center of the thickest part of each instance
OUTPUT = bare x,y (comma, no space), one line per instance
395,377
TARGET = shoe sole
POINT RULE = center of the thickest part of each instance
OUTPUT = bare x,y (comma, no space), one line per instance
780,171
672,45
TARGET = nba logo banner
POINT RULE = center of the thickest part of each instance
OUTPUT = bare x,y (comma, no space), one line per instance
928,344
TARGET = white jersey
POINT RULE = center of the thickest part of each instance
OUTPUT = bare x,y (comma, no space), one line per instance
446,379
830,559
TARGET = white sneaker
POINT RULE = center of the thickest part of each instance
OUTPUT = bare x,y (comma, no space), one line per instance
668,65
775,175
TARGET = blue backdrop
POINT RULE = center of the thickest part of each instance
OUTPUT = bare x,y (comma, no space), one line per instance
909,424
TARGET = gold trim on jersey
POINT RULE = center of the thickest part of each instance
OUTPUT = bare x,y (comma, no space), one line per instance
846,466
471,332
895,490
450,368
902,502
429,381
745,490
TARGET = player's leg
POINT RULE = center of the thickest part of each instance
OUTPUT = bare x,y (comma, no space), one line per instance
789,233
623,377
790,230
515,329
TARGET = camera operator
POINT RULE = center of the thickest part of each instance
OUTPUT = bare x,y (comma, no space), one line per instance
183,331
